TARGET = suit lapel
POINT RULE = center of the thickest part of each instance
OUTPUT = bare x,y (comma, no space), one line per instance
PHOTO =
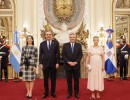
73,48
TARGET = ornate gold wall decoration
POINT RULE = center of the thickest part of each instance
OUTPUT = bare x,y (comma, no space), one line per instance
123,4
5,4
82,35
64,9
69,12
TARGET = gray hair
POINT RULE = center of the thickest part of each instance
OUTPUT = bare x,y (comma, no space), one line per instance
72,34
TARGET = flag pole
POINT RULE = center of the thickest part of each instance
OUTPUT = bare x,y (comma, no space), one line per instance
0,69
16,76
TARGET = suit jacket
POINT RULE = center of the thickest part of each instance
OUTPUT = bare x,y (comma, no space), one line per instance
69,56
31,52
124,51
49,58
4,52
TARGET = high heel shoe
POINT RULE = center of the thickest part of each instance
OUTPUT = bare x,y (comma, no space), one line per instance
99,98
29,97
92,98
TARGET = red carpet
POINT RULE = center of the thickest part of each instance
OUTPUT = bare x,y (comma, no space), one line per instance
114,90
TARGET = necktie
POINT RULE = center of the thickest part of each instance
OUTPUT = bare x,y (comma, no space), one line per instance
49,45
72,47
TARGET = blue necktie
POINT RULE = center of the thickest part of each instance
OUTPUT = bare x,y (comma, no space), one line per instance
49,46
72,47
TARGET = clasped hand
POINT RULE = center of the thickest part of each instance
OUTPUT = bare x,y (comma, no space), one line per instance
72,63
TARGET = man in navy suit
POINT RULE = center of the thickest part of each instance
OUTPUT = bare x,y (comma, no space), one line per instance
72,54
49,57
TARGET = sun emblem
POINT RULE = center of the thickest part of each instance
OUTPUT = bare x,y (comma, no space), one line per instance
16,52
109,53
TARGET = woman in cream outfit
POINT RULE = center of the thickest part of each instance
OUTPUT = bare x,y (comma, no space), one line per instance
95,65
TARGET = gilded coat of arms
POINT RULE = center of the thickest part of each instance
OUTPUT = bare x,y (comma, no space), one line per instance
64,9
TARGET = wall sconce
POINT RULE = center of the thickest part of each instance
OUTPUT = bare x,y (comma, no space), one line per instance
25,33
101,33
23,36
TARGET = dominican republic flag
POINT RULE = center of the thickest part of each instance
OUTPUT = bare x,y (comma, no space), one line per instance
15,55
110,63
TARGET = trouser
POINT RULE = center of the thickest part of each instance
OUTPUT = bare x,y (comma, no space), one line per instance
76,74
52,72
5,72
123,68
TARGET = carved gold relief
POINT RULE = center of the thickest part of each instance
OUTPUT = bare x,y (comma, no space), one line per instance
46,28
64,9
5,4
81,36
123,4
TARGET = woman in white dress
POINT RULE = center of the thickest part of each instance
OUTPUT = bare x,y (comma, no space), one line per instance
95,65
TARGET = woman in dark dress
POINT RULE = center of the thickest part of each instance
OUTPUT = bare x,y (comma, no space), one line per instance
28,64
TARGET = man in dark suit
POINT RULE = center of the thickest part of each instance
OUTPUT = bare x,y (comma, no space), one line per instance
124,52
4,52
49,57
72,54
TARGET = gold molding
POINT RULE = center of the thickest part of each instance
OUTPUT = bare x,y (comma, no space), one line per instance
10,12
122,12
6,12
14,9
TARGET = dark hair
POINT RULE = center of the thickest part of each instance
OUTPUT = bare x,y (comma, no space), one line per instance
49,31
27,39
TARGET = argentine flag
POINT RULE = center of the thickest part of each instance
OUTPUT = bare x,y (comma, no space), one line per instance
110,63
15,55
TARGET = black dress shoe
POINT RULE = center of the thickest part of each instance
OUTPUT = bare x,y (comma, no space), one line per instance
125,78
53,95
45,95
76,96
69,96
6,79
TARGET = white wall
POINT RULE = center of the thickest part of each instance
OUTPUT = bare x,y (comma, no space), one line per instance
100,15
27,16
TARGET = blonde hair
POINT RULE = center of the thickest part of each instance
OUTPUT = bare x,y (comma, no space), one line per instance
95,37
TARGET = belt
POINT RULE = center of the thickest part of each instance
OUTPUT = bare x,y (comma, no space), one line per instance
124,51
2,53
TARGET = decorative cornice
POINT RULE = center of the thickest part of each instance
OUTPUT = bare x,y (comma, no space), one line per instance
6,13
